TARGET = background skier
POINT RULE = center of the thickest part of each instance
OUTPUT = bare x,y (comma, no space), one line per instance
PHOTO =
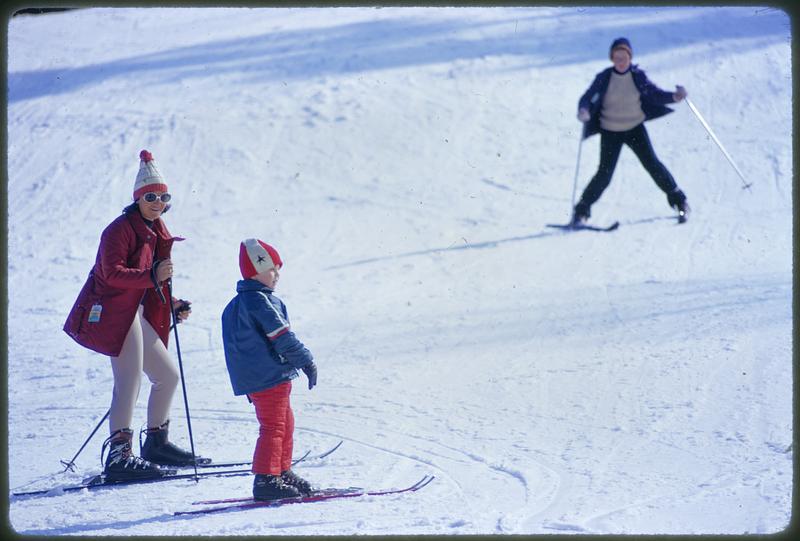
616,105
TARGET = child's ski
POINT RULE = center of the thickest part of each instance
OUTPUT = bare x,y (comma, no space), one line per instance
317,497
320,492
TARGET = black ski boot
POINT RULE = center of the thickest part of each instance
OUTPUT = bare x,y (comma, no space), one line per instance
580,215
120,463
677,200
293,480
272,487
683,211
158,449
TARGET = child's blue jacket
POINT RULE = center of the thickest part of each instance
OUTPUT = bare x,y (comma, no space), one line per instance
261,351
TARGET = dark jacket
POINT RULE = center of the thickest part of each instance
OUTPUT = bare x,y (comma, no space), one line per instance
653,98
261,351
122,277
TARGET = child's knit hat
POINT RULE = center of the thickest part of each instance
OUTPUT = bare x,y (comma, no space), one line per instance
256,256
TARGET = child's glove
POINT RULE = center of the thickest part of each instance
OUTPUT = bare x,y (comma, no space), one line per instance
310,371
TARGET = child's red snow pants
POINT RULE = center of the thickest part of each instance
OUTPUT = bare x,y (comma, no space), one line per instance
273,454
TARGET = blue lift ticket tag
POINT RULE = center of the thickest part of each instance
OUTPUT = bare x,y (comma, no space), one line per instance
94,313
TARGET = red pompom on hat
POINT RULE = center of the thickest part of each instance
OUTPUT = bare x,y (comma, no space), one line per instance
256,256
148,179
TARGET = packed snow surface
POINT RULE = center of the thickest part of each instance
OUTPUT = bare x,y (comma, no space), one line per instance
405,162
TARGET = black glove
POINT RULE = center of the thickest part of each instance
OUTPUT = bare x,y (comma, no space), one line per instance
311,373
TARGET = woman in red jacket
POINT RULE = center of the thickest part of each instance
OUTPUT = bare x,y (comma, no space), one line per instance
122,311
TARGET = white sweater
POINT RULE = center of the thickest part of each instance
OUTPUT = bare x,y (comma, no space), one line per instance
622,105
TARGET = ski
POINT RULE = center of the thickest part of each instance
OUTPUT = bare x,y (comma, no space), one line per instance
322,491
319,456
100,480
584,227
306,456
317,497
206,465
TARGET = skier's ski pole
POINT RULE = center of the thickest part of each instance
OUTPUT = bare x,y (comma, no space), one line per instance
577,168
71,464
714,137
183,381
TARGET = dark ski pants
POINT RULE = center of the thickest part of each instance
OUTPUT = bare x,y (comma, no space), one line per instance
610,147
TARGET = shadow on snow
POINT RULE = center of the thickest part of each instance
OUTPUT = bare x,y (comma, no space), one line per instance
372,46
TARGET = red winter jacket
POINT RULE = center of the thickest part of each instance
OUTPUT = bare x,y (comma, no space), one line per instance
122,275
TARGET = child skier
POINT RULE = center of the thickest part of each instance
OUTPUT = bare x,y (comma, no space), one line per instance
262,355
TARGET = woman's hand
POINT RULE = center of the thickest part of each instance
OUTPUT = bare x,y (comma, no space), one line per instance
164,270
679,93
182,310
583,115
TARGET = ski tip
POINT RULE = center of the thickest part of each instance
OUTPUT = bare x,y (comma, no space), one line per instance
326,453
55,491
425,482
302,458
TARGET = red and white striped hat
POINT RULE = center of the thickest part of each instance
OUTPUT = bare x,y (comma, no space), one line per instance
257,256
148,179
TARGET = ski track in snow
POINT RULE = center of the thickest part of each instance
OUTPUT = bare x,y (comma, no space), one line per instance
404,161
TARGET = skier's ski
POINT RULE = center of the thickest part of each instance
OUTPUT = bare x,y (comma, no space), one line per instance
101,481
322,491
319,456
584,227
308,499
213,464
306,456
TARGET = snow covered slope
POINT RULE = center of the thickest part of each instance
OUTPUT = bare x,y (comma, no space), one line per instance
405,163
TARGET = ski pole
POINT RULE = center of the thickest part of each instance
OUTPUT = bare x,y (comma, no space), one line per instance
714,137
183,381
71,464
575,180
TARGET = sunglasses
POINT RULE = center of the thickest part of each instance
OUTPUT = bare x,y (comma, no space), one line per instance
151,197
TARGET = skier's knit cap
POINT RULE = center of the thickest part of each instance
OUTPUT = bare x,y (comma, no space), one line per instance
256,256
148,179
621,43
